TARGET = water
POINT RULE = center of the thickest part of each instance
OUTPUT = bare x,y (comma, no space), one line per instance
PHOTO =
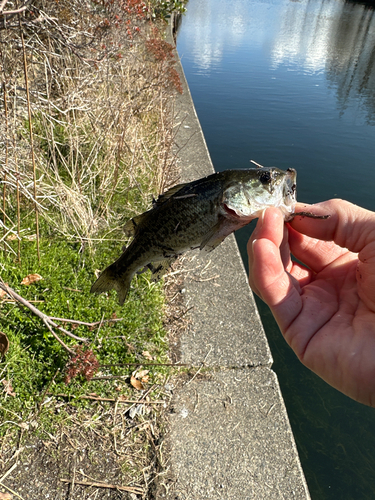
292,84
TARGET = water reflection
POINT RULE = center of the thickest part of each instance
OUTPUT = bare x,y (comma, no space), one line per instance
337,37
333,37
354,74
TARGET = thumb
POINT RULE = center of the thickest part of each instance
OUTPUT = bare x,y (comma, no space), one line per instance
267,275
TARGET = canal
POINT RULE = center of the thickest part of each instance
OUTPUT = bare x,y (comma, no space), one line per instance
291,83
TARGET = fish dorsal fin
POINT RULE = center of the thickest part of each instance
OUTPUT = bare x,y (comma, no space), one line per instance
131,227
169,193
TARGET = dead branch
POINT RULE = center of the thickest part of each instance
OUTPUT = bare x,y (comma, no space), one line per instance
113,400
131,489
46,319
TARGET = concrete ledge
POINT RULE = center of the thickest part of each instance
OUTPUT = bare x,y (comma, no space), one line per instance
229,436
231,439
225,328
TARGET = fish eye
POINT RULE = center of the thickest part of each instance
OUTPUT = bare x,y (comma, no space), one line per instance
265,177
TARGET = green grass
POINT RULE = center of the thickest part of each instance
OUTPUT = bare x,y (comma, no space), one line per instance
35,362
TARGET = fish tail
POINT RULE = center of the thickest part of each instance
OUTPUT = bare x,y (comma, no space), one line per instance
109,280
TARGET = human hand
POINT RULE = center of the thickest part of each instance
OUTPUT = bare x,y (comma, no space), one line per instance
326,307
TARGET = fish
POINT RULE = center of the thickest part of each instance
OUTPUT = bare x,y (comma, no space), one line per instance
198,214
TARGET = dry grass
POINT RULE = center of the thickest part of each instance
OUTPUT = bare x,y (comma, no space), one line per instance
100,95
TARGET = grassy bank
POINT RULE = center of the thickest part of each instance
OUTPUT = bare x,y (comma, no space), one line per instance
86,137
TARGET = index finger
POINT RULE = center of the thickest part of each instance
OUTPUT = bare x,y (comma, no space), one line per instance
314,253
349,226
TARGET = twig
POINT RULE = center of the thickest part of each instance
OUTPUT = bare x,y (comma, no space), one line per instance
6,158
84,323
141,401
46,319
12,491
7,15
12,12
70,351
17,179
97,333
3,4
71,489
131,489
145,364
9,471
31,137
14,301
257,164
202,365
67,332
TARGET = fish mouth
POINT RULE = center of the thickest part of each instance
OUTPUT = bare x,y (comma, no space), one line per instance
232,213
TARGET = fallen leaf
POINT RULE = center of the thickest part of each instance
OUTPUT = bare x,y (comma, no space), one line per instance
147,355
137,384
4,344
31,278
6,496
145,379
141,374
8,389
3,294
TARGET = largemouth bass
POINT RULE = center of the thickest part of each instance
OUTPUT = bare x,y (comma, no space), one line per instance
199,214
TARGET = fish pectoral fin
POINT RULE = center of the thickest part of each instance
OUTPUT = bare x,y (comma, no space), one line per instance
132,226
160,268
216,235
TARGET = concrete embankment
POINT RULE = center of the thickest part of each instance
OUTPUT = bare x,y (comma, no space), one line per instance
229,435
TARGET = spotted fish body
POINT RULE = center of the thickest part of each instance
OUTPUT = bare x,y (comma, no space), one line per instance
199,214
